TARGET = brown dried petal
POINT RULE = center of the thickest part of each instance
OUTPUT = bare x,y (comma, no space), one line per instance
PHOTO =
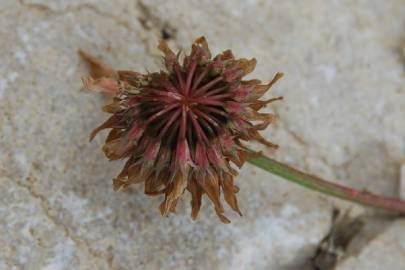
229,193
260,90
112,122
211,186
118,148
132,78
247,65
196,194
106,85
153,185
98,69
173,193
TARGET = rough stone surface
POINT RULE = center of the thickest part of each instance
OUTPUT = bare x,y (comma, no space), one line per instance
385,251
342,118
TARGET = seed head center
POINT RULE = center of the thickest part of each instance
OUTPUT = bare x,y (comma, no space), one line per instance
186,101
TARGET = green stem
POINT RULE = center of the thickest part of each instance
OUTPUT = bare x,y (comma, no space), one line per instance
315,183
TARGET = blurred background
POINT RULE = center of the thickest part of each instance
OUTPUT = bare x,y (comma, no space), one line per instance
342,118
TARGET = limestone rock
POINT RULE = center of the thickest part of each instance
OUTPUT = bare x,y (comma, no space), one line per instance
342,118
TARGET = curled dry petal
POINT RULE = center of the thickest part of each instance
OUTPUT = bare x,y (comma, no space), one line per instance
183,128
106,85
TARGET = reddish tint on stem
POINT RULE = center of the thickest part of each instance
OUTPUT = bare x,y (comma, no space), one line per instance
312,182
180,129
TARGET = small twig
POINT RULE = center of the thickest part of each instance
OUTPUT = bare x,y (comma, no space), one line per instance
315,183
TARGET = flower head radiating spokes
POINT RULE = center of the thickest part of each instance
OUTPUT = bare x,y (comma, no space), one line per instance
181,129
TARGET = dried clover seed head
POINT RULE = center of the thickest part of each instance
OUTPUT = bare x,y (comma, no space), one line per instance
180,129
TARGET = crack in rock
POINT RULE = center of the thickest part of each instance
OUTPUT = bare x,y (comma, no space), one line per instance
78,8
150,22
29,186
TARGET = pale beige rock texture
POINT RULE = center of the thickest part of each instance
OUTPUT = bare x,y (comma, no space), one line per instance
385,251
342,118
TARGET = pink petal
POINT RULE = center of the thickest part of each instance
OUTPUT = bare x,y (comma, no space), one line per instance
201,159
151,151
183,155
